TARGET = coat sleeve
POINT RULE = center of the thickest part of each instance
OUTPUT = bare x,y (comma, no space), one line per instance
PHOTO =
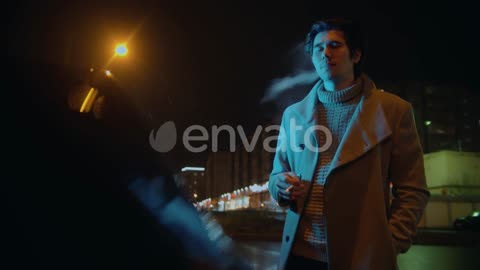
281,163
407,174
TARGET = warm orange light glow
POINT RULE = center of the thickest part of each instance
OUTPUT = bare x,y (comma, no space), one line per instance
121,49
87,103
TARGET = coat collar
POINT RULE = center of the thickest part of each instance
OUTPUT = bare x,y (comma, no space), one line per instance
367,128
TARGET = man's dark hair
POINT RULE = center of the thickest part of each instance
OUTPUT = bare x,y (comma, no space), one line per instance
353,36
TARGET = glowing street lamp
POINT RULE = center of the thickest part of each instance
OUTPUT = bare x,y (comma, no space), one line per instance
121,49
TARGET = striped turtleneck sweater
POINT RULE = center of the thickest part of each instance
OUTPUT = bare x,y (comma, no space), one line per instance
335,110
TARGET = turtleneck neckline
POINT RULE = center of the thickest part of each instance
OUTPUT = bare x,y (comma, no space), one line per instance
339,96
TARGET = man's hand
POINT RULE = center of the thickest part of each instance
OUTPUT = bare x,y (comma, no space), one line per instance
290,187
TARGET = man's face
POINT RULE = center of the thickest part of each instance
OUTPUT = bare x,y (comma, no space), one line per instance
331,56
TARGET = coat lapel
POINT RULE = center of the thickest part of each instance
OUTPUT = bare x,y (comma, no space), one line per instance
367,128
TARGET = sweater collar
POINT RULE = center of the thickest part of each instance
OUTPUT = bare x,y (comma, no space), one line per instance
306,107
340,96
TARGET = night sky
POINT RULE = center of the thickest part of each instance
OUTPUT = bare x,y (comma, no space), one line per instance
211,62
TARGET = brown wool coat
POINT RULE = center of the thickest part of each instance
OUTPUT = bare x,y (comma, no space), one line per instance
380,145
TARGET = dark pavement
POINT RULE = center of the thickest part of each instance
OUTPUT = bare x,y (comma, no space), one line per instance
258,237
264,255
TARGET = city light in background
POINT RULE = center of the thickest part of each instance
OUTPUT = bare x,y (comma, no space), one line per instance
250,197
197,169
92,94
121,49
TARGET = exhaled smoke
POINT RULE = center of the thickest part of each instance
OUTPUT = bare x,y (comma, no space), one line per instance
280,85
302,73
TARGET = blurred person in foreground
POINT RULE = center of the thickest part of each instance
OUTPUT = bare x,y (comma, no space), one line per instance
90,192
339,150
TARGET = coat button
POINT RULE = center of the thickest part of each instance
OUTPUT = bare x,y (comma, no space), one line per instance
287,238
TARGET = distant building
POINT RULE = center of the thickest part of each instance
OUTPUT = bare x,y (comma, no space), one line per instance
219,177
192,181
447,115
455,174
228,171
453,179
451,119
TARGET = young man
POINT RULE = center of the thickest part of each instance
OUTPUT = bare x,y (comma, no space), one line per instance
338,151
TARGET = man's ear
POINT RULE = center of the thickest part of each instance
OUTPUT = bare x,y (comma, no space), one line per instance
357,55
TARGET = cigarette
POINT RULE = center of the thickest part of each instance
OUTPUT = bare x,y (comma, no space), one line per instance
289,188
